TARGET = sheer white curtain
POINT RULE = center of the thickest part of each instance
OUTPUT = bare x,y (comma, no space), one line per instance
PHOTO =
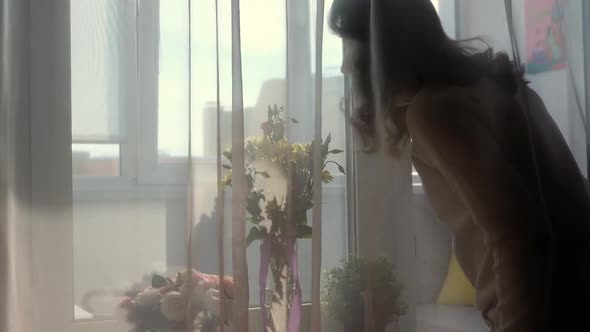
159,89
15,169
116,122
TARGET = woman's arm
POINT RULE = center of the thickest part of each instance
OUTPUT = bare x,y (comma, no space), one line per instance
451,137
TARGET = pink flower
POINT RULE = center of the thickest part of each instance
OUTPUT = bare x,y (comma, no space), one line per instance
228,286
125,310
148,297
166,289
209,280
173,306
126,303
194,275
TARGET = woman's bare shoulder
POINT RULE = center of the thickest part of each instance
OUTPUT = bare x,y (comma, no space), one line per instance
434,109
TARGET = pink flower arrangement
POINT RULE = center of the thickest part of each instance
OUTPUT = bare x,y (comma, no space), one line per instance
163,306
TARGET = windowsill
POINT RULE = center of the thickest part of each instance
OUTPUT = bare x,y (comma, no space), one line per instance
83,317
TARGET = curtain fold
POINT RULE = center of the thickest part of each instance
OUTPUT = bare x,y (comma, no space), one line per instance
316,244
240,266
15,166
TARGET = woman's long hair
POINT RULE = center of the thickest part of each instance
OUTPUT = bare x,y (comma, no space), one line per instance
414,52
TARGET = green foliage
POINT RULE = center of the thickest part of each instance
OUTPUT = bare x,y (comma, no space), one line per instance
295,161
256,233
158,281
344,287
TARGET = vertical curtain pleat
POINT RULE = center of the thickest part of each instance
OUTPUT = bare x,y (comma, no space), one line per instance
316,243
376,81
240,267
15,168
190,181
220,192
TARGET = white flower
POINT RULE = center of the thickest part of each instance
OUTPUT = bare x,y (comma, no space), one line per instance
173,306
148,297
211,304
198,292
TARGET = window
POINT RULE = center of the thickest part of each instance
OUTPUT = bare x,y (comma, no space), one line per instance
131,68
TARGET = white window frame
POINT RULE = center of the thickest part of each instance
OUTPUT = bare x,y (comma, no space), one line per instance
54,188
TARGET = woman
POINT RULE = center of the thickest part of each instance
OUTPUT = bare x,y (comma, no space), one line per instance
492,161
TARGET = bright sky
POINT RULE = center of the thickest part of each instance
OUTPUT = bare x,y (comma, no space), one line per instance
263,38
263,58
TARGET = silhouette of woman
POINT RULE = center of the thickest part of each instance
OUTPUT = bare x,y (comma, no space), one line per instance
492,161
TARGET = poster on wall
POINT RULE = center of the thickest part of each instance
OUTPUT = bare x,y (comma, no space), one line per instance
544,38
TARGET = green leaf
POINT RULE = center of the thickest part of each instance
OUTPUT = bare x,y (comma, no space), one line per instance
327,177
275,110
335,151
328,140
293,120
304,231
256,233
326,144
226,166
158,281
226,181
255,220
253,206
264,174
340,168
227,154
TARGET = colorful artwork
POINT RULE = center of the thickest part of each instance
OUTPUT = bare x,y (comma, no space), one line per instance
544,36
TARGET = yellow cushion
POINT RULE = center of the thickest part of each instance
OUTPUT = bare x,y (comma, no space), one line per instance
457,290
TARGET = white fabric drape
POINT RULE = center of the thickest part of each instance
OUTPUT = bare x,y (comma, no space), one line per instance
15,166
316,244
240,266
377,191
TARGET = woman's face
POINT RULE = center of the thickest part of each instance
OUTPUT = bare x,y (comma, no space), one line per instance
351,59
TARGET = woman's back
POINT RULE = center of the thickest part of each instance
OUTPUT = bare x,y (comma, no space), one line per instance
567,199
473,147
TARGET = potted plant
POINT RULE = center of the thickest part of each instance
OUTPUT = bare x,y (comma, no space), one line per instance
347,288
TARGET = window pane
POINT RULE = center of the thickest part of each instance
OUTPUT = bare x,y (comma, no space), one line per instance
263,62
96,159
102,40
173,78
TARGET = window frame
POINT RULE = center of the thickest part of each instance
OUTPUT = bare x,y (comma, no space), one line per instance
56,188
53,185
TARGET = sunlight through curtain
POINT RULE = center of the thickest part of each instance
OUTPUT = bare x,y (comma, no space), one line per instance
248,165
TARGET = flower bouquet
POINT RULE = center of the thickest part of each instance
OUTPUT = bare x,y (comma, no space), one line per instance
171,303
279,177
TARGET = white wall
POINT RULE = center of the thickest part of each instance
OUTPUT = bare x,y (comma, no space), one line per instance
487,19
